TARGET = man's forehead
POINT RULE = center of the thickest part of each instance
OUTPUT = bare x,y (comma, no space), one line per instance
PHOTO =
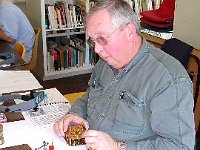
99,17
99,20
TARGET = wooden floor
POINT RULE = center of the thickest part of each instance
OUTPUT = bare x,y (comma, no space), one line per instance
68,85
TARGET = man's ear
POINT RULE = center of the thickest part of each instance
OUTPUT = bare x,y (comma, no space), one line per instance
131,31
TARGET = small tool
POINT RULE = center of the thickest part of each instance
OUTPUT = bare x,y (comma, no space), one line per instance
43,146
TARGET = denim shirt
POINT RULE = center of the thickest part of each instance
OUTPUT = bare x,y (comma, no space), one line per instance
149,105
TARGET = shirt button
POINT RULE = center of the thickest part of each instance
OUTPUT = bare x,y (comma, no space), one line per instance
101,115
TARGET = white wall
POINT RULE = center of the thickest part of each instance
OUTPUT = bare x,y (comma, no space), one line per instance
187,22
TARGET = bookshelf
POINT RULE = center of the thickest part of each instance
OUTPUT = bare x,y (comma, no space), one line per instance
80,58
37,14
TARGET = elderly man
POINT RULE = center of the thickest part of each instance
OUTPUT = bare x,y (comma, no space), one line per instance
139,97
14,27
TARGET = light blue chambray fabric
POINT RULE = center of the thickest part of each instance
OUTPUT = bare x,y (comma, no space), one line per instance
16,25
149,105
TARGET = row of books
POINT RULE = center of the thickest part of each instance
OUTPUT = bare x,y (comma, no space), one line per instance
63,15
61,57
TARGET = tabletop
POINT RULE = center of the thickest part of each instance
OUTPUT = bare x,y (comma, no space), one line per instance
13,116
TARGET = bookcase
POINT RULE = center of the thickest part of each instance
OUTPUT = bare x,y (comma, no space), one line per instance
64,50
64,32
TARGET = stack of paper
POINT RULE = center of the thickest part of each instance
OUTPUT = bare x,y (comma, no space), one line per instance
15,81
49,111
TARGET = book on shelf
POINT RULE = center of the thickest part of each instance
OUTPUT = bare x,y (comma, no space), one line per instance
46,17
93,57
61,56
60,17
63,15
49,61
52,17
92,4
54,60
62,51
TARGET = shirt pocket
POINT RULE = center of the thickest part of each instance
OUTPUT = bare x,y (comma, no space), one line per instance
95,93
130,112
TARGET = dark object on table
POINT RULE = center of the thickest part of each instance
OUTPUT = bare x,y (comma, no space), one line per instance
73,135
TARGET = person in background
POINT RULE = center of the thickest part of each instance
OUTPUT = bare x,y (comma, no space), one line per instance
139,97
14,27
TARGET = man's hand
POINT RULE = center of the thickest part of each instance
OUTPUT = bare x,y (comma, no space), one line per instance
97,140
4,37
61,126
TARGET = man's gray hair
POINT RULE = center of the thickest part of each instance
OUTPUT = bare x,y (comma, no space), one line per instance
119,10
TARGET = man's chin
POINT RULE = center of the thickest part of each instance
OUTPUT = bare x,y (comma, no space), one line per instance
114,66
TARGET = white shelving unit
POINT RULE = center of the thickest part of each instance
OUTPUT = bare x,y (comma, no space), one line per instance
36,14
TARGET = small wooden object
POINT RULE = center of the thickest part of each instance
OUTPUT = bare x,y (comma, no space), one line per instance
73,135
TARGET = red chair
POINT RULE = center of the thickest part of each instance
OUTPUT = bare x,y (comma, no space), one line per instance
165,13
160,25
